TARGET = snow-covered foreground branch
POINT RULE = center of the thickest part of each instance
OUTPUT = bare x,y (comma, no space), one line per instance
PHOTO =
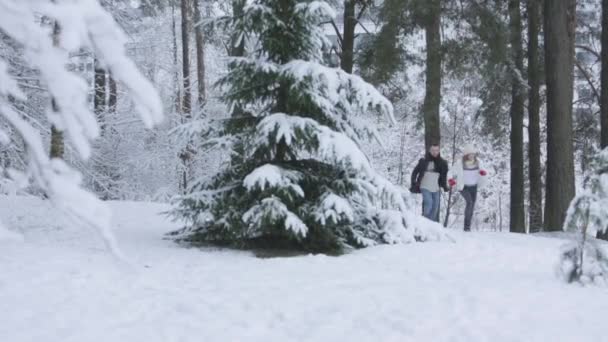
81,24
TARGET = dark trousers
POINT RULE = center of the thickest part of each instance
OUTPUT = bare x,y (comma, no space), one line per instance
470,196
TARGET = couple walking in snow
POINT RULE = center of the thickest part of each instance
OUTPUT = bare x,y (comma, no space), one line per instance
431,175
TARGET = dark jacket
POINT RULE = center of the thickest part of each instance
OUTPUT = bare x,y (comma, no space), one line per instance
441,167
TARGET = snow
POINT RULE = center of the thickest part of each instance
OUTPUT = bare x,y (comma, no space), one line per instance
61,285
272,176
271,209
76,25
334,87
7,235
375,193
320,9
338,148
334,147
279,126
334,209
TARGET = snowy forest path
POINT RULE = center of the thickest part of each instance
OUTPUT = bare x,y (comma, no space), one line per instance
60,285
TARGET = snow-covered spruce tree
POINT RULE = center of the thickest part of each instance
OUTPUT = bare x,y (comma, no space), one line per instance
584,260
297,179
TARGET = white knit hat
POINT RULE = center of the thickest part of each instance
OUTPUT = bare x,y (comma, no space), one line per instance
469,149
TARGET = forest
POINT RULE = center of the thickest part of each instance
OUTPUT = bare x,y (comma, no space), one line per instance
175,135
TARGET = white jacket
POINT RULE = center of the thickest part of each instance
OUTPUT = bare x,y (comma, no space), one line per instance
457,174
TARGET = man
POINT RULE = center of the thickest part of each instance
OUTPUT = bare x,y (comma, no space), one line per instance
429,176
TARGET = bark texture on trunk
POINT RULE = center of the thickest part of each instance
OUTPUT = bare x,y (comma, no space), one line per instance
176,82
186,153
604,75
99,99
237,47
432,98
186,101
604,91
517,212
113,97
559,19
534,151
348,40
200,55
57,144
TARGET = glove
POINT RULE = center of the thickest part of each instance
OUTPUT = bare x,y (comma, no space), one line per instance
452,182
483,172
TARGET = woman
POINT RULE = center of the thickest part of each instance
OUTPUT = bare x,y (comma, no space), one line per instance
468,176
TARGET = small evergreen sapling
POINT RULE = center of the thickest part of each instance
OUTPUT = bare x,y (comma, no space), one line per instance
585,260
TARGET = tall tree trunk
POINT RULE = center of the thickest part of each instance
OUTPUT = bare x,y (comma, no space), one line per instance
237,45
186,155
99,99
432,98
536,191
604,76
517,214
178,95
200,54
113,97
348,40
604,91
186,101
111,169
57,143
454,151
560,19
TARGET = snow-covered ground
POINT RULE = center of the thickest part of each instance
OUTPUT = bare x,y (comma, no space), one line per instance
59,284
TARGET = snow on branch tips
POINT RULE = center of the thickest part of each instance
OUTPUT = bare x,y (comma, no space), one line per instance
76,25
271,176
271,211
335,90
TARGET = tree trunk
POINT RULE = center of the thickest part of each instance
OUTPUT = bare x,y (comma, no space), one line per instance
604,76
99,99
176,82
517,214
348,41
57,143
200,55
113,98
185,154
432,98
448,208
237,48
559,18
604,91
187,101
536,191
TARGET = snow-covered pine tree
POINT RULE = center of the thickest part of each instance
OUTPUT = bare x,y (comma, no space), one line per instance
584,260
297,179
